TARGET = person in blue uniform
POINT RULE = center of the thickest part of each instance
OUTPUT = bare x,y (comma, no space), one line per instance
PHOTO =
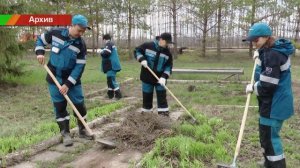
67,62
110,66
157,56
273,87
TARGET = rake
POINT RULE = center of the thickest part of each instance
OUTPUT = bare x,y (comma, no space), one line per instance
238,145
186,110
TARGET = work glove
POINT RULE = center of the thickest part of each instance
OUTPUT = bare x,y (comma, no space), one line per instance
144,63
255,54
99,50
249,88
162,81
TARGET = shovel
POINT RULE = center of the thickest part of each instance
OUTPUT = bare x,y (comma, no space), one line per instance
186,110
105,143
238,145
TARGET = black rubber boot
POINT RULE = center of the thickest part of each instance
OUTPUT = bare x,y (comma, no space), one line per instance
162,102
65,132
110,94
118,94
83,132
147,101
277,164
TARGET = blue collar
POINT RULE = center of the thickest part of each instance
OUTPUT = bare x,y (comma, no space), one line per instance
156,44
65,32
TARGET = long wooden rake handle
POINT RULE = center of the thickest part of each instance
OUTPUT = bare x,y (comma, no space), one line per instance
69,101
150,70
238,145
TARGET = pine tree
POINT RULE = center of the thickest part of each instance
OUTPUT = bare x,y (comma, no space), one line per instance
10,50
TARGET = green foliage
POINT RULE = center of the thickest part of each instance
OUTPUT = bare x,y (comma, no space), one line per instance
193,146
28,45
297,45
47,130
16,142
186,129
10,53
154,161
103,110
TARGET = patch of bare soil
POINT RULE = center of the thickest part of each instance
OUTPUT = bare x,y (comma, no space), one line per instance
140,130
134,136
97,158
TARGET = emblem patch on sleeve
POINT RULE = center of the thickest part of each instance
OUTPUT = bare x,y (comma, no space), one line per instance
268,70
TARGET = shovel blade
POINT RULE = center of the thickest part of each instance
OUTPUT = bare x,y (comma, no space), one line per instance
225,166
106,143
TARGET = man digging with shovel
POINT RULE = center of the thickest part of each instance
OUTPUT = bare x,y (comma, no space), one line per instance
157,57
67,62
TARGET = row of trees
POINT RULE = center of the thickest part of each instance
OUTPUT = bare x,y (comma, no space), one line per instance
200,24
140,19
193,23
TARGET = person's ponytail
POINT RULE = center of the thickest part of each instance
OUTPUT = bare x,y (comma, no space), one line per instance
270,42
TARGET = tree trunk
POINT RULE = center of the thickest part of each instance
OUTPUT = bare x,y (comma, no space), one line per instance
93,33
97,26
203,41
130,19
252,22
118,30
204,32
174,14
219,18
296,38
57,7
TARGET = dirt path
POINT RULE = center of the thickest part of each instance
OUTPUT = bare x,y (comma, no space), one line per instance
97,157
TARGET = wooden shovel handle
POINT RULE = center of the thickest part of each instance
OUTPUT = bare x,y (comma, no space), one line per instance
69,101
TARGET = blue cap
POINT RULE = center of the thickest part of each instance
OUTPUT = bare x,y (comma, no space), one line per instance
80,20
258,30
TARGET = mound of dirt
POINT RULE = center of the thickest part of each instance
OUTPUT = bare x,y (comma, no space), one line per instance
139,131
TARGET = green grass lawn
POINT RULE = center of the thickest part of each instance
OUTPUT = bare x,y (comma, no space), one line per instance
218,130
26,110
27,113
